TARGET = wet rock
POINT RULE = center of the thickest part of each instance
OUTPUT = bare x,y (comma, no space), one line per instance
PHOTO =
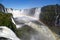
2,8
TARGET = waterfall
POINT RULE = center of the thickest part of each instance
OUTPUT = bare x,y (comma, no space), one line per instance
7,33
37,13
43,31
33,12
17,26
27,17
57,21
13,20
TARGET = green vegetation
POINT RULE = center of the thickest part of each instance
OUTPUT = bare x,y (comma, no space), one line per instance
5,20
24,32
49,13
48,16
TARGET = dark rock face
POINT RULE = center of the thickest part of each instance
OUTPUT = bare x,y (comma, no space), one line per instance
2,38
49,14
2,8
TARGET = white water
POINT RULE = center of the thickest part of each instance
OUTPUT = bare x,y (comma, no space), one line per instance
57,21
26,16
7,33
33,12
44,32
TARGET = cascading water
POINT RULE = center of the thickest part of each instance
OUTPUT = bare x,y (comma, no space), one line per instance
5,32
27,17
57,21
43,31
33,12
37,13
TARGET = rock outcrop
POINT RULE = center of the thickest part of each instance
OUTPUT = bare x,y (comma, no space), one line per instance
2,8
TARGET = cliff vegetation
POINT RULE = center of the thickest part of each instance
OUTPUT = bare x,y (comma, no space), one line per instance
50,15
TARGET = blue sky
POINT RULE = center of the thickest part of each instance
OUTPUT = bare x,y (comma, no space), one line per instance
23,4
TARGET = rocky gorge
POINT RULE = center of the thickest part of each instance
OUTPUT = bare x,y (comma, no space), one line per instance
28,25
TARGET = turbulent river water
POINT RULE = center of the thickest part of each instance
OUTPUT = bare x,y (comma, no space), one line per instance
41,31
30,17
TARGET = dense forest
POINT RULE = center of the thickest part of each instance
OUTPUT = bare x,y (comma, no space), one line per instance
49,13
